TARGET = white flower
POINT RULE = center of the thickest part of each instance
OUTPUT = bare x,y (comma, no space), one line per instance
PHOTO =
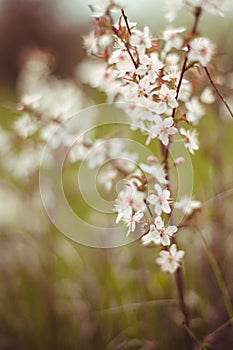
133,220
141,40
99,8
160,200
170,260
79,149
172,40
123,61
211,6
137,92
149,65
187,205
97,154
195,110
107,177
215,6
158,234
156,171
162,129
207,96
90,42
191,141
201,50
167,98
128,199
172,8
26,126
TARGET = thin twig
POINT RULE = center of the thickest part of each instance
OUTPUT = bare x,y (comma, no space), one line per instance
134,306
218,92
213,336
126,21
126,46
148,208
183,307
198,12
165,153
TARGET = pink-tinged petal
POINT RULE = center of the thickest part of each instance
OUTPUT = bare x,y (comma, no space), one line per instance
173,249
159,223
166,208
159,261
158,189
158,120
165,240
164,138
180,254
133,226
168,122
164,253
158,209
141,70
172,131
152,199
157,239
166,194
173,267
170,230
161,107
173,103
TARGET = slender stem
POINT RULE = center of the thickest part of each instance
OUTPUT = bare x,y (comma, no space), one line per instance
148,208
218,92
165,153
213,337
126,46
198,12
126,20
183,307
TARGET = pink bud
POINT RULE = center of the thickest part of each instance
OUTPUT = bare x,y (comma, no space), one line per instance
152,160
179,161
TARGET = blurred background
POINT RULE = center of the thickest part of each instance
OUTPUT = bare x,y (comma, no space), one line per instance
57,294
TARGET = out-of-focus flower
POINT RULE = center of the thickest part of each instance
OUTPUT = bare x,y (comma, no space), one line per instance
190,141
201,50
170,260
194,110
187,205
207,96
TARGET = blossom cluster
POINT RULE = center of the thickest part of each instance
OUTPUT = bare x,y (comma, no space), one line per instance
156,77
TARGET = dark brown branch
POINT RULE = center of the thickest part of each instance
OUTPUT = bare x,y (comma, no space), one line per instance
218,92
126,21
183,70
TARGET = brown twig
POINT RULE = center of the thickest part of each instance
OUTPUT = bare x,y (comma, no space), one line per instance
126,46
218,92
165,154
183,307
198,12
214,336
126,21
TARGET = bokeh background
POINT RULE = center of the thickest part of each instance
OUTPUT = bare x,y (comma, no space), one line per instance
58,294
